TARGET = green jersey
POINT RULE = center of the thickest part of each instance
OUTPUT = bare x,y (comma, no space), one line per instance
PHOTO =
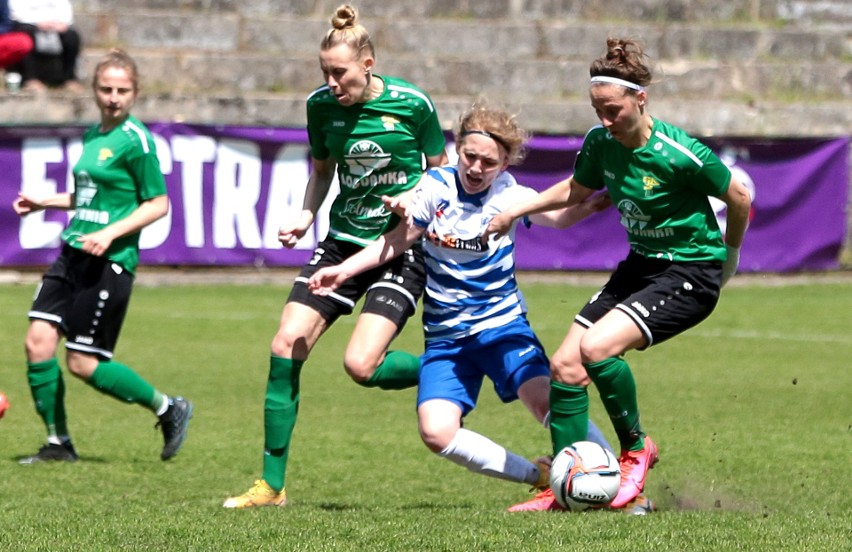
661,191
116,172
378,147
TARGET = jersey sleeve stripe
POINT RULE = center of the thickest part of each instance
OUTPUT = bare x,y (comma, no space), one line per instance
679,147
141,134
417,93
317,91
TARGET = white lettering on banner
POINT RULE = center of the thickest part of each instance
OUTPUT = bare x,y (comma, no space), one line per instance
287,188
236,190
34,231
192,152
155,234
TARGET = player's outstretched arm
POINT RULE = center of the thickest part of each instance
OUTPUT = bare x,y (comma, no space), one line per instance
25,204
568,216
387,247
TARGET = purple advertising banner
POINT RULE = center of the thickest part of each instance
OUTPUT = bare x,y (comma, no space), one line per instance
231,187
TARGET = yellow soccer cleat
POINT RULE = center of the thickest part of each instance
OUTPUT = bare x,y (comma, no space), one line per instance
261,494
543,465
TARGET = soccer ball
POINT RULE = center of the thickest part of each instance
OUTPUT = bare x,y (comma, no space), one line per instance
584,475
4,404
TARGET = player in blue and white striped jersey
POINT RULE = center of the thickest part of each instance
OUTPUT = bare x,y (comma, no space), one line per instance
474,314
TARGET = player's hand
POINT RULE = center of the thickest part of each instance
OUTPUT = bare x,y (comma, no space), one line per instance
597,202
400,204
326,280
96,243
24,205
499,225
292,231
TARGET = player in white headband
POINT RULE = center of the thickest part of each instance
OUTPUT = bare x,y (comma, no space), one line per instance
659,178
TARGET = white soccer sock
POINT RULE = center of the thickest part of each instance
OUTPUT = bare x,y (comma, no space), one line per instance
480,454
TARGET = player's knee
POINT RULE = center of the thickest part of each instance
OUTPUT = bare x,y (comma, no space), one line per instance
40,343
81,365
288,343
359,366
436,438
594,350
568,370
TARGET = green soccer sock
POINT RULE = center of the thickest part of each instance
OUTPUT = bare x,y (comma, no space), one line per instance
48,391
122,383
569,414
279,417
617,388
399,370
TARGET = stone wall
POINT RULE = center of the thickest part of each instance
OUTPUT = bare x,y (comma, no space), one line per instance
740,67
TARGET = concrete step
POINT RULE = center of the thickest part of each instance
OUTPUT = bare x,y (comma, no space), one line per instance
504,80
799,12
441,39
565,117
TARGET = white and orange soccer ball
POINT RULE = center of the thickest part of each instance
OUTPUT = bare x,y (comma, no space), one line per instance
584,475
4,404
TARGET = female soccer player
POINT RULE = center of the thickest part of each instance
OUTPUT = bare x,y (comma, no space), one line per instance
659,179
119,190
474,315
375,131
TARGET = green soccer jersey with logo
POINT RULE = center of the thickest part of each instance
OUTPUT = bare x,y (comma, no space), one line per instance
660,190
117,171
378,147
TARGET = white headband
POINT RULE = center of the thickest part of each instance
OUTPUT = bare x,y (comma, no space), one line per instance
615,80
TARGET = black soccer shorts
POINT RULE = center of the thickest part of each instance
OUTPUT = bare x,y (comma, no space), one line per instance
86,297
663,298
392,290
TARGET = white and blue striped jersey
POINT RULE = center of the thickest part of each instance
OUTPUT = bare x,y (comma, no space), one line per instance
470,287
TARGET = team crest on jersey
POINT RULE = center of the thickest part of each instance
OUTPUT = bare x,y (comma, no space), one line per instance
389,122
366,157
439,212
648,184
104,154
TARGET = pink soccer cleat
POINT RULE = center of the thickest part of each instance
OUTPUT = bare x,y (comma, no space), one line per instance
634,467
543,502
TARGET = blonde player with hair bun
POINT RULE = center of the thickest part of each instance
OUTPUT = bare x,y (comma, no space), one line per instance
374,132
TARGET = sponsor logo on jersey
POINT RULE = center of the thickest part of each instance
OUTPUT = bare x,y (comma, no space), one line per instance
452,242
636,222
85,189
364,159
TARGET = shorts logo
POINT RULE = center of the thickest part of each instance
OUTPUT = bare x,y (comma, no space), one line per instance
84,340
526,351
641,308
385,300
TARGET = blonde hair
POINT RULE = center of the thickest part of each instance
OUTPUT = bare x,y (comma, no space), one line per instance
498,124
119,59
345,29
624,59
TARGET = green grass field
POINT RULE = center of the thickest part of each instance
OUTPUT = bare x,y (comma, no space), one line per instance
752,411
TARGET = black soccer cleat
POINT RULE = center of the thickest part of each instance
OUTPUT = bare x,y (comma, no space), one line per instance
52,453
174,422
